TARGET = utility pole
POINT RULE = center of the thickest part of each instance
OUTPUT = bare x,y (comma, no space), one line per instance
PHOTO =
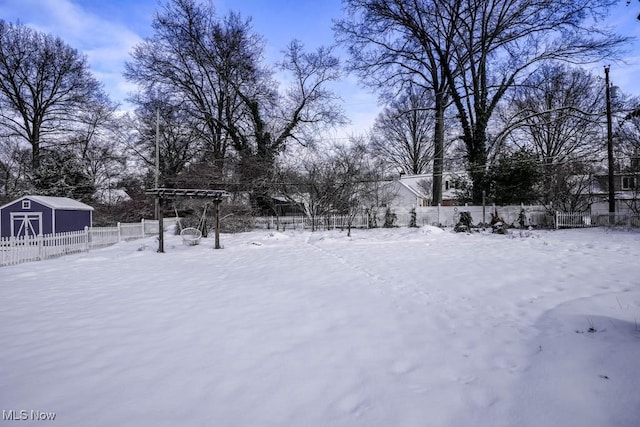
157,177
612,193
158,198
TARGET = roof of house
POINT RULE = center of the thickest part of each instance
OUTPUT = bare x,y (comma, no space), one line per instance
412,182
63,203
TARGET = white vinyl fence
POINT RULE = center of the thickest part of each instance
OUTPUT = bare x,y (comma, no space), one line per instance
448,216
325,222
628,220
444,216
35,248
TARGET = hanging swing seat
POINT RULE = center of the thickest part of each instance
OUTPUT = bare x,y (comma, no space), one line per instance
191,236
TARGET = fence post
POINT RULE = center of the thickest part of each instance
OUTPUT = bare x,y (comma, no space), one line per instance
119,233
142,222
484,207
556,220
87,238
40,241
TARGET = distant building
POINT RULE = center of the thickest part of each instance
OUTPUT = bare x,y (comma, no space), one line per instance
416,190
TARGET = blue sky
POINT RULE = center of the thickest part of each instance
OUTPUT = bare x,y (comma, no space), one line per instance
106,31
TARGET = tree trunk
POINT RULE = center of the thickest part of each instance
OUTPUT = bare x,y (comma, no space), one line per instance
438,150
35,155
477,164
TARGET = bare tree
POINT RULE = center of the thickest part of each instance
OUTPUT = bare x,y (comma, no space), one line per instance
498,44
95,143
194,59
334,180
557,113
627,130
628,3
44,86
215,68
402,133
178,137
570,186
397,43
272,119
627,143
356,180
309,183
481,48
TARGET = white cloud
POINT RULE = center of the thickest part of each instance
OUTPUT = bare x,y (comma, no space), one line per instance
106,43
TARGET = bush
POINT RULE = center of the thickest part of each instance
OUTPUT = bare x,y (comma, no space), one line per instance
413,220
389,219
498,225
464,223
372,217
522,218
235,218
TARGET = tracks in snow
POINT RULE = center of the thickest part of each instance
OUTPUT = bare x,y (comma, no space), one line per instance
402,294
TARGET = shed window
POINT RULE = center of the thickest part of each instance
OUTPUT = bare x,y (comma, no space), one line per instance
26,204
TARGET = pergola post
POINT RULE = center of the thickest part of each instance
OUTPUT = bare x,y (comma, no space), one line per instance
160,227
216,195
217,204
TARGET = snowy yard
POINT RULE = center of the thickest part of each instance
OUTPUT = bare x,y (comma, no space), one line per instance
403,327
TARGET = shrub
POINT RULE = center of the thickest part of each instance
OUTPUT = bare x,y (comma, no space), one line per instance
413,220
389,218
464,223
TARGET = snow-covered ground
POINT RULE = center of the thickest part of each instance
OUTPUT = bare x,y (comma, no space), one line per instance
403,327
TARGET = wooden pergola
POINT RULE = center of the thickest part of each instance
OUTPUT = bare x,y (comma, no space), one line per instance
216,196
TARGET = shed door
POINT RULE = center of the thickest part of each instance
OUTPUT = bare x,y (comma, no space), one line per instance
26,224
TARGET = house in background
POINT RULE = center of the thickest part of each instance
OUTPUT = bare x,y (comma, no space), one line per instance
623,182
415,190
35,215
626,186
287,206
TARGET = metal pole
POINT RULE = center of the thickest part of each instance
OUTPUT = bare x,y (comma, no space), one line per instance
612,193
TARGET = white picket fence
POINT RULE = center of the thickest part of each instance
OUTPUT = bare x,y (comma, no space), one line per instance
573,220
36,248
586,219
